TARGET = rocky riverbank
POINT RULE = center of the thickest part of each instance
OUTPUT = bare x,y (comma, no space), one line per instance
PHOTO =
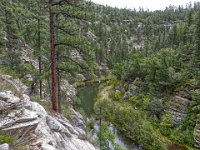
32,127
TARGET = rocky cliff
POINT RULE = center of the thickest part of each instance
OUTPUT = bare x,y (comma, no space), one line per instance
32,127
178,108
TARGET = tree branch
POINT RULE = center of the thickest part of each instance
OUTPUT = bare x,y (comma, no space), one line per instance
76,62
67,32
72,46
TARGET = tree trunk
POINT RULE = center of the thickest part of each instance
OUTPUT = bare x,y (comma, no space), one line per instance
58,81
40,72
40,59
49,86
53,62
59,93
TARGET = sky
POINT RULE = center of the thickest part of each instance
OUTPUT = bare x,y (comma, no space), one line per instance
146,4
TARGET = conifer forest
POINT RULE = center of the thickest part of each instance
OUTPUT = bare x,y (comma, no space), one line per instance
103,78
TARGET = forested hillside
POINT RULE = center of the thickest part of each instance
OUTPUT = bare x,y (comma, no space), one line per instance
152,60
155,58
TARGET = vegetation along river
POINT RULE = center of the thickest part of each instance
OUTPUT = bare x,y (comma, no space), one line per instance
88,96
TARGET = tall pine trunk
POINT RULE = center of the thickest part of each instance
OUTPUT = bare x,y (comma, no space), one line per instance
40,72
59,93
39,58
53,61
59,89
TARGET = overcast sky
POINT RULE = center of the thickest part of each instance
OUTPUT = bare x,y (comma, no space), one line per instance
146,4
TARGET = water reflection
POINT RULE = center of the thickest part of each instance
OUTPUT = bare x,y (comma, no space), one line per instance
87,94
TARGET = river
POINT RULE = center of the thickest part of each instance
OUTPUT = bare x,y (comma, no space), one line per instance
88,94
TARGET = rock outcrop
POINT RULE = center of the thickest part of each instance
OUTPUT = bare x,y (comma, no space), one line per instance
30,123
178,108
133,90
76,56
4,147
36,129
26,55
69,91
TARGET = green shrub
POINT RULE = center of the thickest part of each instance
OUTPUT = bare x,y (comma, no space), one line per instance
166,125
104,136
118,95
9,71
182,137
132,123
156,107
6,139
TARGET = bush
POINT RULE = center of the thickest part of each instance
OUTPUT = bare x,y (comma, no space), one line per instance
6,139
132,123
182,137
156,107
105,136
166,125
118,95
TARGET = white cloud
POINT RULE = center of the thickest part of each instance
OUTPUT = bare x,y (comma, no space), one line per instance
146,4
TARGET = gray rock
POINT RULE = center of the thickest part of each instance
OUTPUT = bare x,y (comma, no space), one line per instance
69,91
8,97
4,146
133,90
75,55
26,55
178,109
29,122
16,84
29,77
8,100
120,88
77,120
39,130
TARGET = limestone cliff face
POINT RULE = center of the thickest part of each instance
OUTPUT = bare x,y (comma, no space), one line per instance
33,127
178,108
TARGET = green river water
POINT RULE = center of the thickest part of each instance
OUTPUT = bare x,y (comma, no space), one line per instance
88,94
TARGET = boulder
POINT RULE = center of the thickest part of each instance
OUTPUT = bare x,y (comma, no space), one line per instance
69,90
29,123
133,90
8,83
39,130
4,146
78,121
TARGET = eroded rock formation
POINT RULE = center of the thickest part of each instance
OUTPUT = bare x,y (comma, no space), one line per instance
35,128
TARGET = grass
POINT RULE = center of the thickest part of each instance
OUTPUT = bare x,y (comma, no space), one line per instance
6,139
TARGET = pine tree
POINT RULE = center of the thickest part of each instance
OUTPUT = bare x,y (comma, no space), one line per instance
53,59
66,19
9,27
196,54
34,22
